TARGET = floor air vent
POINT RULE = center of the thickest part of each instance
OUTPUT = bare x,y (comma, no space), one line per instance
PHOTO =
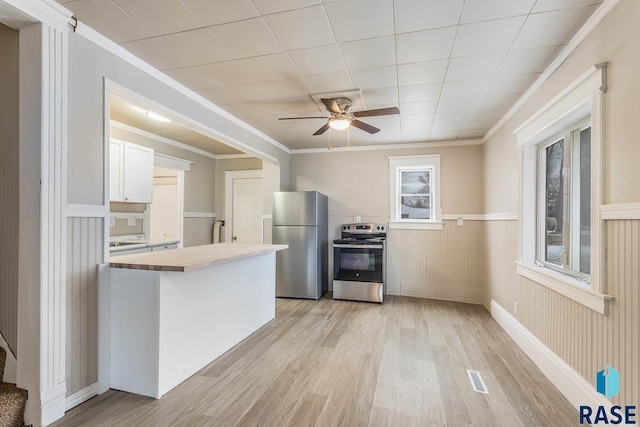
476,382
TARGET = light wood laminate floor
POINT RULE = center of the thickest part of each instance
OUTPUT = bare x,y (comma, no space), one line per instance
340,363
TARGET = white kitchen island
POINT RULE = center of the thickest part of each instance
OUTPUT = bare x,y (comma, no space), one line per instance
173,312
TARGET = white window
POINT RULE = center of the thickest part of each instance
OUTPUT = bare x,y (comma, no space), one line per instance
415,192
564,201
561,238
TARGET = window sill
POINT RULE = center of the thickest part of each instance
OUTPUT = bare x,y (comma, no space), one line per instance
566,286
408,225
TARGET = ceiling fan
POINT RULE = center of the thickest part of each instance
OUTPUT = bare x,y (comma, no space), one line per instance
341,116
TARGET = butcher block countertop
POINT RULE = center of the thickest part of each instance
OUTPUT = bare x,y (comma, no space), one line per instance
192,258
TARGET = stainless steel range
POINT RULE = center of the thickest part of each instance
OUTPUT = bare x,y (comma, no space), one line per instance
359,263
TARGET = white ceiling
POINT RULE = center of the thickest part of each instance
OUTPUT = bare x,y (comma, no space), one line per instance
453,67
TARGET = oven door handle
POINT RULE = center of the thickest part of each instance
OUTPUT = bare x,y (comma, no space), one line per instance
341,245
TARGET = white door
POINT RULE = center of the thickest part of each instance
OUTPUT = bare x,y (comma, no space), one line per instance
246,221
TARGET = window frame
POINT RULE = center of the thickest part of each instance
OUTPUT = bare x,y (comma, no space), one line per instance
398,164
581,98
567,135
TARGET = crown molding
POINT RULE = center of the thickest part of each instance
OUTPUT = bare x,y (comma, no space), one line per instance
573,44
400,146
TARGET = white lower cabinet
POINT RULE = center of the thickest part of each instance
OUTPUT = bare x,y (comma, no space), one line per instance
130,251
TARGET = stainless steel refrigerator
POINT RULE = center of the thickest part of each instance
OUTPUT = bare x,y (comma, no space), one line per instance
300,221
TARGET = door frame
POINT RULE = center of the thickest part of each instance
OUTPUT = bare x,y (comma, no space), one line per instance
229,177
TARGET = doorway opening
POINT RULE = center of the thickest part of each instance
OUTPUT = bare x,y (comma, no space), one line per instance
166,212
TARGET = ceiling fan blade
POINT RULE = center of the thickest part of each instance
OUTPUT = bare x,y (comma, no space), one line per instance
377,112
331,105
364,126
322,130
301,118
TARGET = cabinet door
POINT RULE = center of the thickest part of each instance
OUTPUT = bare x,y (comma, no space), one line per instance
116,171
138,174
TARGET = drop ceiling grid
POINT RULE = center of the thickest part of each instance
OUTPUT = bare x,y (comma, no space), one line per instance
262,58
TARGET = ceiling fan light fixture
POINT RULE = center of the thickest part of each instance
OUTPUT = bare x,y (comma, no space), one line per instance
339,123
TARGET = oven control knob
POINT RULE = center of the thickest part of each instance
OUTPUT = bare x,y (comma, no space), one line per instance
382,228
348,227
378,227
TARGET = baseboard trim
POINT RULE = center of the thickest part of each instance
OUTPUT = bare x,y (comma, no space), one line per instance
52,404
11,365
417,290
572,385
80,396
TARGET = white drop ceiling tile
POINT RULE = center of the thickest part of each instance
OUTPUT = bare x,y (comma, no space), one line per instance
108,19
488,113
157,53
422,72
486,37
303,106
240,110
425,45
291,88
551,28
382,121
252,92
415,133
318,60
198,46
219,96
270,107
416,93
417,119
386,96
369,53
422,107
512,84
474,67
472,133
229,72
451,117
500,100
360,19
416,15
369,78
487,10
272,67
301,28
527,61
465,88
457,104
329,82
389,135
193,78
479,124
443,135
213,12
267,7
549,5
163,16
247,38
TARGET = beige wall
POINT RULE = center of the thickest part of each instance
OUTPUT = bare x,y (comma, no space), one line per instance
9,184
443,264
584,339
357,182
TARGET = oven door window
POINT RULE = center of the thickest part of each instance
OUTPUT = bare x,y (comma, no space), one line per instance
358,264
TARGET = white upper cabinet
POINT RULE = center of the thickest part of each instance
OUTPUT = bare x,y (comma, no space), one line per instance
131,169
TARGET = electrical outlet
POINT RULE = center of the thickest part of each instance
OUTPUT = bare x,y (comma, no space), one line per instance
460,220
112,221
515,307
131,221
